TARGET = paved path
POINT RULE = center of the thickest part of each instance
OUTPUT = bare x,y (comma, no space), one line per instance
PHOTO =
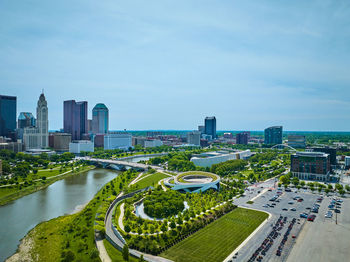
120,218
103,252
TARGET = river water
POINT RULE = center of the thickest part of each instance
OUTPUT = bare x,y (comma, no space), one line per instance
62,197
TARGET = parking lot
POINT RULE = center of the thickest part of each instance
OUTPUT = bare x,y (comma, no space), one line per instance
324,240
271,238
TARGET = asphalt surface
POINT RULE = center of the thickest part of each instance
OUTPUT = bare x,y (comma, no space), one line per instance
324,239
263,190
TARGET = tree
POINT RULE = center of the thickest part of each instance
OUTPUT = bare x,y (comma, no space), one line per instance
125,252
302,183
141,259
347,187
295,181
127,228
330,187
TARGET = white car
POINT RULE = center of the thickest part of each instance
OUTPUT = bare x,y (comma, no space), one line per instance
329,214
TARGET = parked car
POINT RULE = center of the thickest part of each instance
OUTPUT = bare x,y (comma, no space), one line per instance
300,200
336,210
266,205
303,215
293,209
290,202
285,209
311,217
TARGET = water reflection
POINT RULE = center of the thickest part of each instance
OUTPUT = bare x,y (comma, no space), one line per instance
60,198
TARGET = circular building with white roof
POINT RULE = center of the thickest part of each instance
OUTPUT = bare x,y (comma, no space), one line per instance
193,182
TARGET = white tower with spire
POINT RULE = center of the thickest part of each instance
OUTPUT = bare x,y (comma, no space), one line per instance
42,121
38,137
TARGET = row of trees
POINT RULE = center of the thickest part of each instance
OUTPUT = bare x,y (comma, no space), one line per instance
155,244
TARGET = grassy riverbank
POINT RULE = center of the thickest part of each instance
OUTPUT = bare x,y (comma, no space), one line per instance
71,237
11,193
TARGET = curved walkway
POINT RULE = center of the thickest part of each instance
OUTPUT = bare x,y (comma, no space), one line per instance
116,239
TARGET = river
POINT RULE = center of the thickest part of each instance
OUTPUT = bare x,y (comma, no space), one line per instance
62,197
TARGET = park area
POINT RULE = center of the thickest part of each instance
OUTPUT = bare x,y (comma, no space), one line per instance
217,240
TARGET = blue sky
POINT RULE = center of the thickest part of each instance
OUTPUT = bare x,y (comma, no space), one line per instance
168,64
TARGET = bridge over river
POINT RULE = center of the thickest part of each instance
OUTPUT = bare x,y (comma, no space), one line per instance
118,163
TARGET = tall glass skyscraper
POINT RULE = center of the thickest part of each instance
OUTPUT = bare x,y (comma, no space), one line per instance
75,120
273,135
210,126
26,119
8,114
100,119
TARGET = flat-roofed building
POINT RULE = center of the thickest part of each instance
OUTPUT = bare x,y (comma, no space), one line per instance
310,166
210,158
120,140
194,138
297,141
242,138
78,146
153,143
60,141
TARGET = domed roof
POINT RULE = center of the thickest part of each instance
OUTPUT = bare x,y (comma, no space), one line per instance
100,106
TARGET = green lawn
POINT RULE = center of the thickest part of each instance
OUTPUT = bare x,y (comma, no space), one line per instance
151,180
115,254
217,240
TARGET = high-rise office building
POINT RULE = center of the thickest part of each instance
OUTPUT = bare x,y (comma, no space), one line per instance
75,118
210,126
38,137
8,114
242,138
100,119
273,135
26,119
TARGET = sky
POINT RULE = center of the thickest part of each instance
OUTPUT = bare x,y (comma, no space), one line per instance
169,64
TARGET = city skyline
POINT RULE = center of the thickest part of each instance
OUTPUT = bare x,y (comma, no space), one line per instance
252,65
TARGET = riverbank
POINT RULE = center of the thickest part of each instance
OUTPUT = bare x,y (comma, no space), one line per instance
69,237
39,185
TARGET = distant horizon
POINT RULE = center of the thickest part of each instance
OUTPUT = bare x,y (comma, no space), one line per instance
190,130
168,65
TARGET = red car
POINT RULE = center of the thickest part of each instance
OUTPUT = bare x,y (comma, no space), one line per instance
311,217
300,200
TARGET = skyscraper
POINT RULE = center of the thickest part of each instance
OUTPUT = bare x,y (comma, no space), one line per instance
210,126
38,137
26,119
273,135
100,119
8,114
75,118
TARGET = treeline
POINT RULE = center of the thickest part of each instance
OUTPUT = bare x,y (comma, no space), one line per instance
177,161
228,167
21,163
162,204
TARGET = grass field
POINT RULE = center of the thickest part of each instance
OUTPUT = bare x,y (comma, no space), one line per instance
217,240
115,254
151,180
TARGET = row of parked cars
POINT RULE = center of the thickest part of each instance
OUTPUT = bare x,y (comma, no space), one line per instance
335,205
